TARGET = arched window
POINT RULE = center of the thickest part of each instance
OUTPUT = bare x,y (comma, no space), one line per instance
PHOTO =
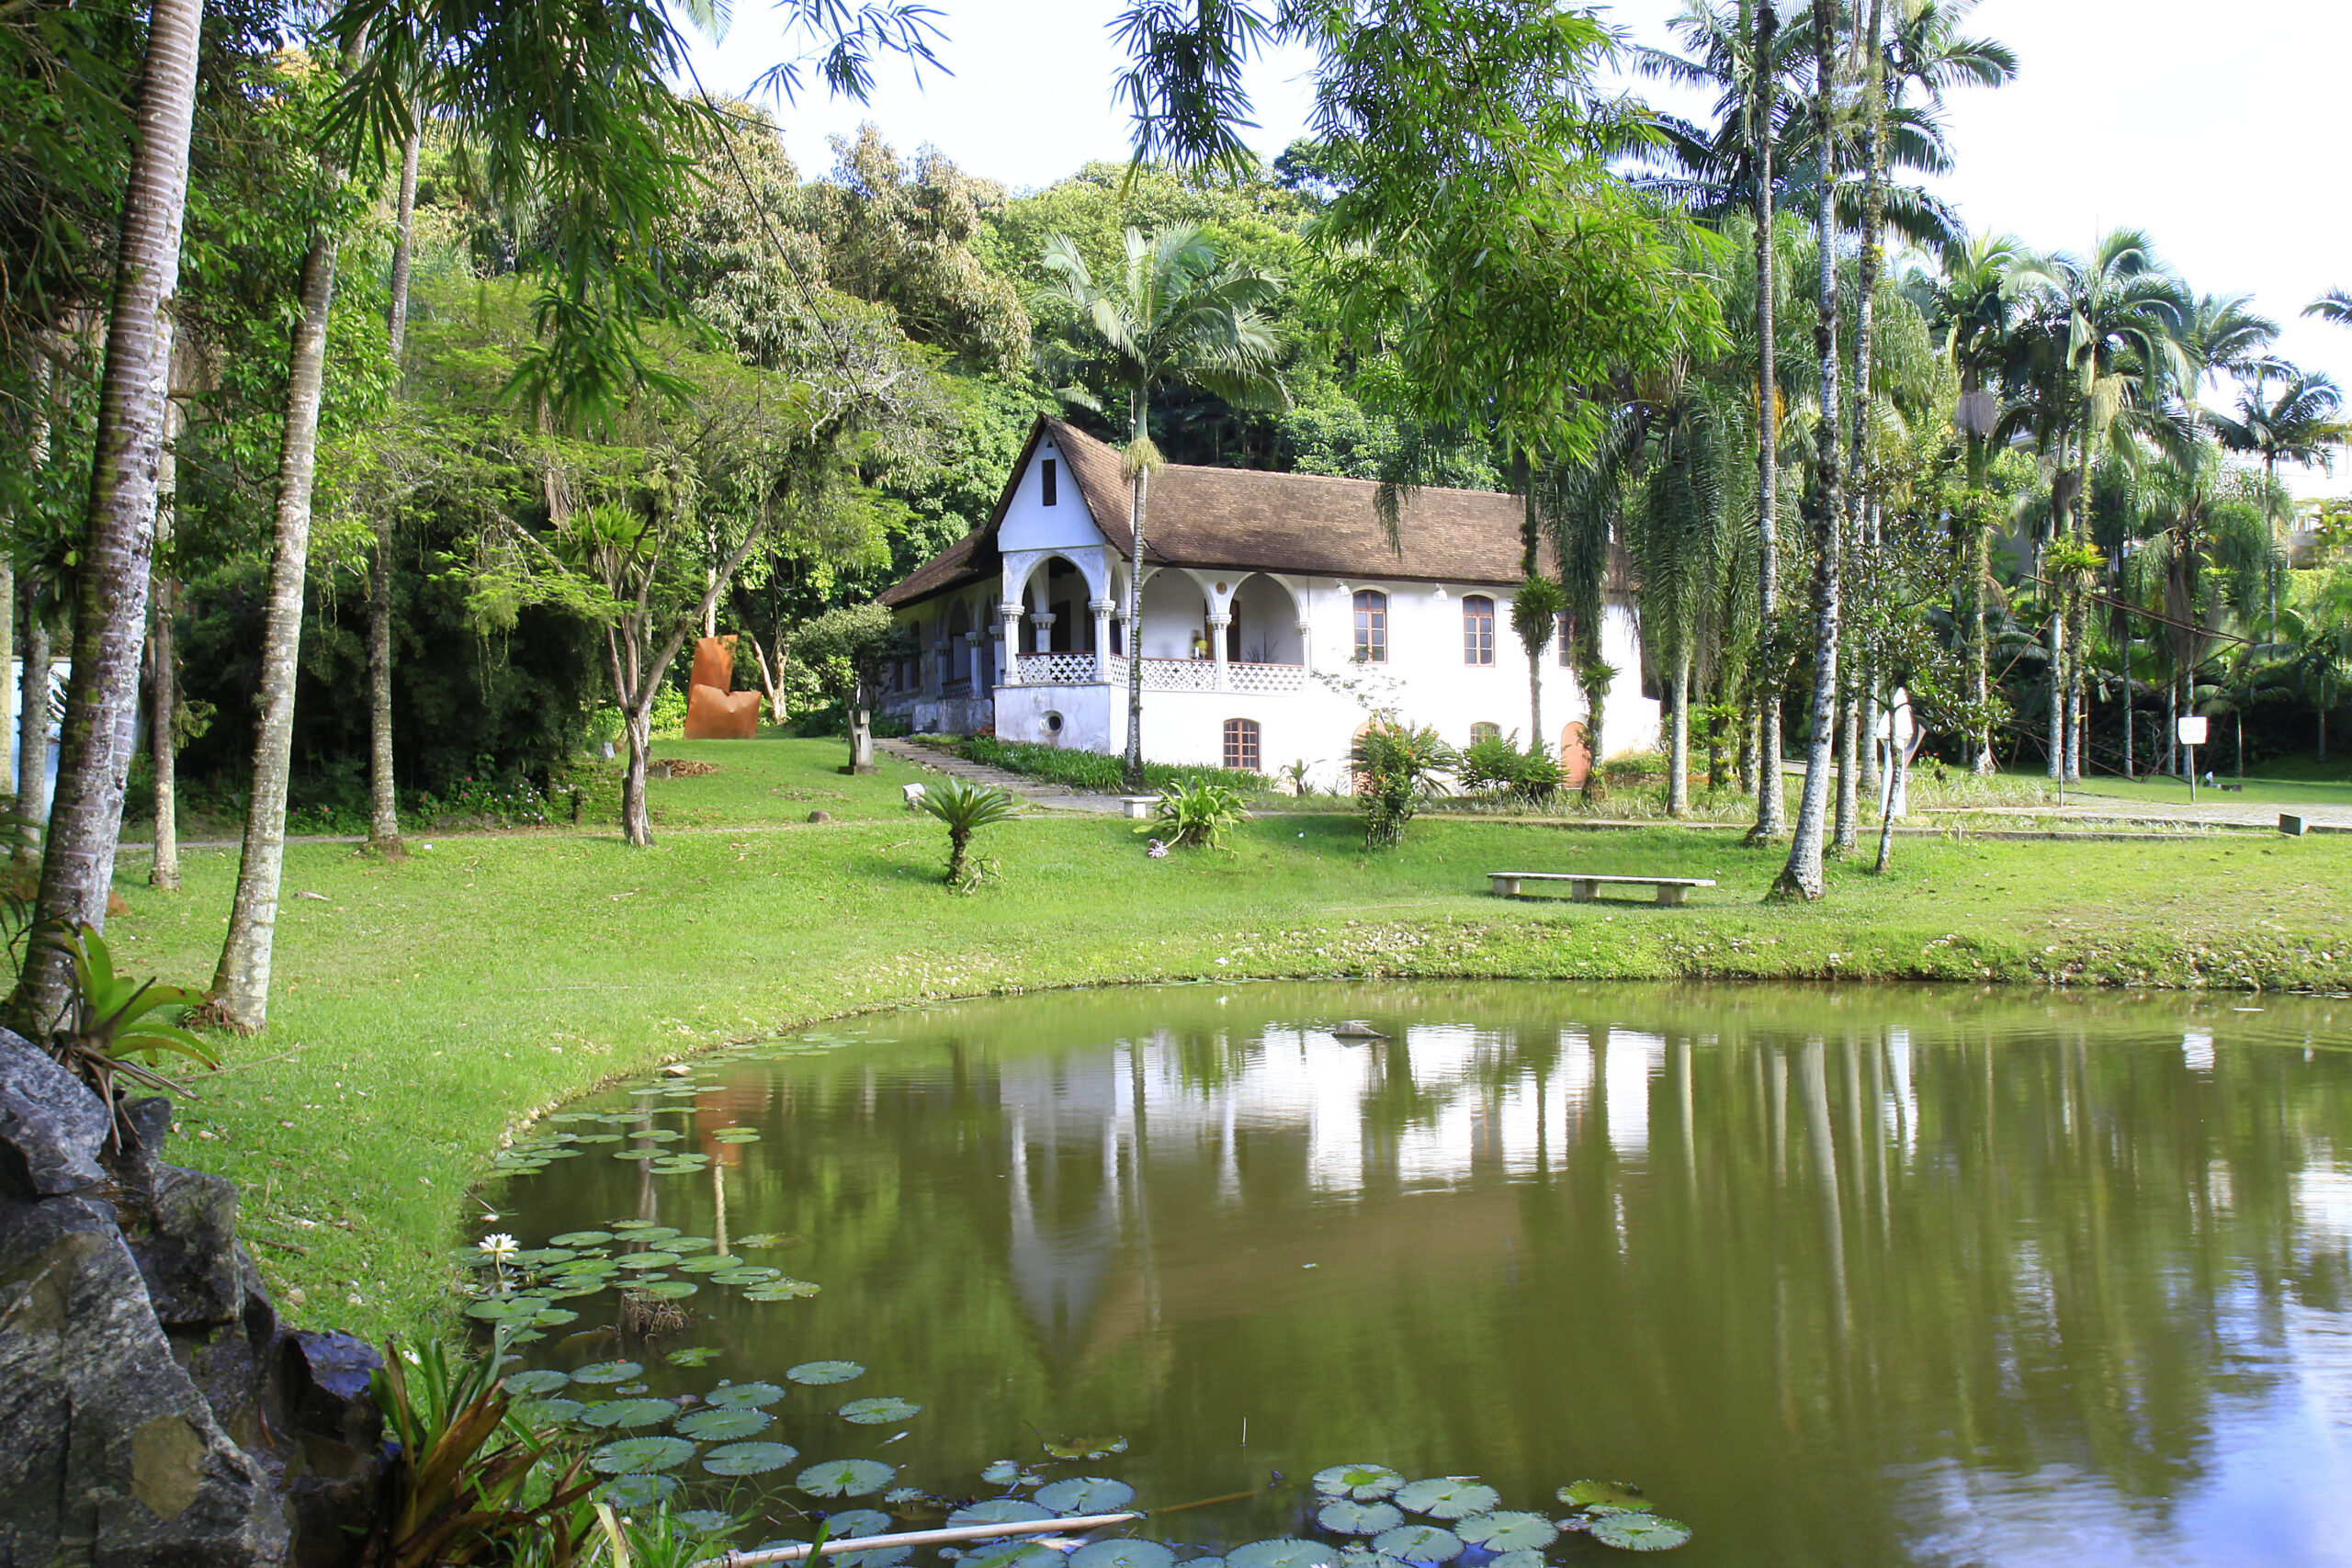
1242,745
1477,629
1372,627
1484,731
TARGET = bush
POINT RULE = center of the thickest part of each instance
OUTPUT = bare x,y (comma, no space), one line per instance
1397,769
1094,771
1497,766
1201,812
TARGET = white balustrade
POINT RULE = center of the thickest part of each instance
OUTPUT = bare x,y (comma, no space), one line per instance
1179,675
1059,669
1265,677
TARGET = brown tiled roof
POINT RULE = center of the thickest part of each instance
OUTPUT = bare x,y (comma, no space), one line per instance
1245,519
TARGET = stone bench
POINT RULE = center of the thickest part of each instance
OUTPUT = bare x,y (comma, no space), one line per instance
1139,807
1584,889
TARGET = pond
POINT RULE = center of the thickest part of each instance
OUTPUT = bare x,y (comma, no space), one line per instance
1863,1277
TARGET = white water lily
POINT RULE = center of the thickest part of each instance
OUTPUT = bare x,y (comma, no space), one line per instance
498,1245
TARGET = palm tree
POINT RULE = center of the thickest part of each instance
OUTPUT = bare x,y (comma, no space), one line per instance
1178,314
967,808
1535,615
2299,424
2313,648
383,808
111,609
1801,878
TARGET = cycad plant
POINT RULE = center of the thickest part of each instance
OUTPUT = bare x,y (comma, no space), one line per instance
966,808
1397,768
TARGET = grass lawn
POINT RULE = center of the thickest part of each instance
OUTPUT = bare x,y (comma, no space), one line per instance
2332,788
425,1008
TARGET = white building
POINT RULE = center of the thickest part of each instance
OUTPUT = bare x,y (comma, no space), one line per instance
1277,618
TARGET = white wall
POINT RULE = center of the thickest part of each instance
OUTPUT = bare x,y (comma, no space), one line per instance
1030,524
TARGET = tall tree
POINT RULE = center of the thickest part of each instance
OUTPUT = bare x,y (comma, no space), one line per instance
111,609
1801,876
384,806
1178,313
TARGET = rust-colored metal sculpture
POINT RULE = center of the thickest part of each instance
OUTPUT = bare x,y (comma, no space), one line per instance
714,711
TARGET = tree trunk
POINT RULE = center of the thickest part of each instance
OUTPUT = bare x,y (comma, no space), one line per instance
240,984
1847,832
637,823
110,611
32,723
1771,805
163,672
1139,422
1898,761
1535,699
1862,702
1801,877
1750,720
1678,771
384,804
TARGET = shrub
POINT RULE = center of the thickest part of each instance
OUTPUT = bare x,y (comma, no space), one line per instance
1496,765
1201,812
1397,768
1098,772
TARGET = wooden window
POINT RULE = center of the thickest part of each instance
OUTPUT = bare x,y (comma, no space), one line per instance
1477,629
1483,731
1242,745
1372,627
1046,483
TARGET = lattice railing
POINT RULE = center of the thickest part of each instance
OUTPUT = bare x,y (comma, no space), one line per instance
1265,677
1059,669
1179,675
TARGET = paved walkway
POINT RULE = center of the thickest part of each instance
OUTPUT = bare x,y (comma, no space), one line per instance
1039,793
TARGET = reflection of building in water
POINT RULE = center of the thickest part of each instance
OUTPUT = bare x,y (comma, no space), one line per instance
1290,1120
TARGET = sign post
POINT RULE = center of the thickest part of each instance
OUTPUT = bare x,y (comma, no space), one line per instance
2192,735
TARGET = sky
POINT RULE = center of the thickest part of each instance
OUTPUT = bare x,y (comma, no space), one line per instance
2213,131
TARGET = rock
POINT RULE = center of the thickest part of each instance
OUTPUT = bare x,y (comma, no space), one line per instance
820,817
329,1417
182,1227
912,794
51,1127
108,1453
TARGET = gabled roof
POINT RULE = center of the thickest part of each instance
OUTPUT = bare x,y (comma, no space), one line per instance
1247,520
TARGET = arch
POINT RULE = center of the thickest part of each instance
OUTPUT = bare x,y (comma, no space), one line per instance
1371,626
1477,630
1242,750
1576,755
954,668
1264,629
1174,613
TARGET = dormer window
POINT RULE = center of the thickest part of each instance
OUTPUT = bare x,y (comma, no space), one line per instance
1046,483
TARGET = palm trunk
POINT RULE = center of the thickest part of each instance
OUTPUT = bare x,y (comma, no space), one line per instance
1846,832
384,806
1898,767
33,722
1771,804
240,984
1801,877
1138,433
1861,701
1678,775
110,611
163,672
1535,699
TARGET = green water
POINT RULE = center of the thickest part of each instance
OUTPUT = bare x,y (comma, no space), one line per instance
1871,1276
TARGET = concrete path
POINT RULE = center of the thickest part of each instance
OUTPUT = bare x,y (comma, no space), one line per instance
1039,793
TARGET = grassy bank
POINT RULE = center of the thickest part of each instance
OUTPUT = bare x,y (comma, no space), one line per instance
423,1010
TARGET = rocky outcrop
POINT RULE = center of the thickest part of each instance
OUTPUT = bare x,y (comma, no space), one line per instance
152,1410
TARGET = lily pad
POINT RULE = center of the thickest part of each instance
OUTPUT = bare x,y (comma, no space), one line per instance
1002,1472
647,1260
607,1371
508,1309
705,1521
1085,1494
1345,1517
743,1395
1518,1560
550,1412
844,1478
876,1412
666,1289
998,1511
688,1244
1013,1554
544,1380
1631,1531
1509,1531
851,1523
766,1238
1123,1554
1418,1543
748,1458
708,1426
781,1291
641,1456
1622,1495
1087,1447
542,1256
630,1413
736,1135
1447,1496
1360,1482
718,1262
693,1355
637,1491
1284,1552
736,1273
824,1371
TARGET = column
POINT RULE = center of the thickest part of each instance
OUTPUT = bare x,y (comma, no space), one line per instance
1008,644
1101,608
1305,649
1216,646
1041,623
